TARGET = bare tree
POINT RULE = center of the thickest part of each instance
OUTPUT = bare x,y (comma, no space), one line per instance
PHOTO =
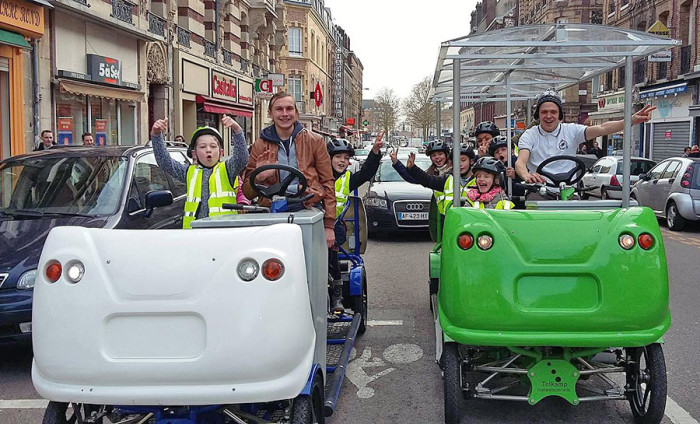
387,104
418,107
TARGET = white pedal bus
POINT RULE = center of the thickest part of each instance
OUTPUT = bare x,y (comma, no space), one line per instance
227,323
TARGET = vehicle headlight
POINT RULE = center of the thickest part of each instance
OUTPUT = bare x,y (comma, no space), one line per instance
26,281
248,269
375,202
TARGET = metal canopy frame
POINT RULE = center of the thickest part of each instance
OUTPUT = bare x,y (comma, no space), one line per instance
522,62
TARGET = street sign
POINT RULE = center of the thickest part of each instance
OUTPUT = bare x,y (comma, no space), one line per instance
277,79
318,95
365,122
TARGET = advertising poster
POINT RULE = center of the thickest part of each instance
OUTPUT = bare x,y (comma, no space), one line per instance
100,132
65,130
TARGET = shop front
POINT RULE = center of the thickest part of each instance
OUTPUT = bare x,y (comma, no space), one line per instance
19,21
611,107
96,87
670,128
207,94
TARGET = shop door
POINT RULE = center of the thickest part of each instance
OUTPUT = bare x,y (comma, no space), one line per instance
669,139
5,151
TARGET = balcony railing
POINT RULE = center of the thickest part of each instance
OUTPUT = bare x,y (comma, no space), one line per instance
227,56
685,59
209,48
122,10
183,37
156,24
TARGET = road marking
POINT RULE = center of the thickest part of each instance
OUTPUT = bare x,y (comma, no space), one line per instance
23,404
398,354
378,323
676,414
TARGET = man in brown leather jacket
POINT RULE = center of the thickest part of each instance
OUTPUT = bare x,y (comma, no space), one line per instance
287,142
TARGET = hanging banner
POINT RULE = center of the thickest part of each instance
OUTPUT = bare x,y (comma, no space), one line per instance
100,132
65,131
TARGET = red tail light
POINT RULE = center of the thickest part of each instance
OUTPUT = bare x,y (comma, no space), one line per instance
614,181
646,241
273,269
53,272
465,241
687,177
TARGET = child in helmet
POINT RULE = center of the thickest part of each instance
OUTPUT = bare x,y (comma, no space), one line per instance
210,182
488,193
499,150
442,185
340,151
485,132
438,151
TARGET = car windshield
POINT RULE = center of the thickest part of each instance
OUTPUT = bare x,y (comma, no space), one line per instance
387,173
361,152
636,167
62,185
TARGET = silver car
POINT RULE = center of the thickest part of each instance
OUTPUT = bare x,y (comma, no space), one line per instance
672,190
606,176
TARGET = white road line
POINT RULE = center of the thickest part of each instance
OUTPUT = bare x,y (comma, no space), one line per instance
678,415
378,323
23,404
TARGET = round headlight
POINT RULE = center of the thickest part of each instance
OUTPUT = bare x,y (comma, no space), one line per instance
75,272
626,241
484,242
248,269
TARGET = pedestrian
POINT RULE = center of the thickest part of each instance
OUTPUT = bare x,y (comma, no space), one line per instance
210,182
179,138
686,151
596,150
46,141
88,140
694,152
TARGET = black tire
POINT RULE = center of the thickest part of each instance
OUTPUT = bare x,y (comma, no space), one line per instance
646,378
452,382
604,194
64,413
308,409
674,220
359,304
433,284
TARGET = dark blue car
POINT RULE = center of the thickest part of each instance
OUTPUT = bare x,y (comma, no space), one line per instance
99,187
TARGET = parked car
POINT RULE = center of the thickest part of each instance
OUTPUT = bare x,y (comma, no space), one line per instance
107,187
672,190
393,204
606,175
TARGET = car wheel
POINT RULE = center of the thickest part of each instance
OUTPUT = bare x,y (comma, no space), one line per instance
604,194
674,220
64,413
359,304
452,382
308,409
646,378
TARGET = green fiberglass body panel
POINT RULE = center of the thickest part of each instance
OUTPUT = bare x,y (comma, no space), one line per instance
553,278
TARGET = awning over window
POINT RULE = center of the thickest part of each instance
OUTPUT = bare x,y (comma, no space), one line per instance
664,90
13,39
81,89
214,106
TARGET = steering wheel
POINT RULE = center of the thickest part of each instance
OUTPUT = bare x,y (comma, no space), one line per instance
570,178
279,188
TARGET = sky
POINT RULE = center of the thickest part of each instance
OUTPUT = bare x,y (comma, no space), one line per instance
398,41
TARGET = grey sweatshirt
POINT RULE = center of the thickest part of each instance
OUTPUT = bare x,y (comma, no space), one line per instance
234,166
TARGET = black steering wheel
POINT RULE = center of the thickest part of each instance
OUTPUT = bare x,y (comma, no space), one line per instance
570,178
279,188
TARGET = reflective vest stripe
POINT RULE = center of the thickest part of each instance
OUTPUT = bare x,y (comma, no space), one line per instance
220,192
342,192
449,192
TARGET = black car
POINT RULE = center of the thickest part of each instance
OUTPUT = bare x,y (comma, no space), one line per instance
393,204
105,187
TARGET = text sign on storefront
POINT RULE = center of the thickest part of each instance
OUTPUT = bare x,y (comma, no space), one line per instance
277,79
245,92
104,69
64,125
338,83
224,87
23,17
614,101
668,135
100,132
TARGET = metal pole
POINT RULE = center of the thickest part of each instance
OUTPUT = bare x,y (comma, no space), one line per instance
627,138
528,113
438,107
508,122
456,177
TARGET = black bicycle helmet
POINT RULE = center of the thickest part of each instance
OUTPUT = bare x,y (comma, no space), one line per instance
489,164
549,96
339,145
204,131
486,127
437,146
465,149
497,143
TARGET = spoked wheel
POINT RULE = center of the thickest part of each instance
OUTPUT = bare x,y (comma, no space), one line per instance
646,378
359,304
308,409
452,382
69,413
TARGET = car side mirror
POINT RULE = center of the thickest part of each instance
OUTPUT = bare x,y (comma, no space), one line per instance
157,198
644,177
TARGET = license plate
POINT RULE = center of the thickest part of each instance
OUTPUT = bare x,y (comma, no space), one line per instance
412,216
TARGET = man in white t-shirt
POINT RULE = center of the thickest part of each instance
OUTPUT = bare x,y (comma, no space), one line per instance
552,137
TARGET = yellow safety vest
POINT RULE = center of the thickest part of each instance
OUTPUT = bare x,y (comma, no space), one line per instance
220,192
448,193
502,204
342,192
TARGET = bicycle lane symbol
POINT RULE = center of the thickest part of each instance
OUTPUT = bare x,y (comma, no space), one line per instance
359,369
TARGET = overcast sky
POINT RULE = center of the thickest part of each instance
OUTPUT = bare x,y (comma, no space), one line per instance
398,41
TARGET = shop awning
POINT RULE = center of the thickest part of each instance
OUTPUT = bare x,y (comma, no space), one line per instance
100,91
212,106
664,91
614,114
42,3
13,39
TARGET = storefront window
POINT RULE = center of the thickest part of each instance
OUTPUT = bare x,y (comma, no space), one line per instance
5,113
71,118
127,115
103,113
206,119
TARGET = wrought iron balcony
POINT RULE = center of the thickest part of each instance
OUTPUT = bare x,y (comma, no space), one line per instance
227,56
183,37
209,48
156,24
685,59
122,10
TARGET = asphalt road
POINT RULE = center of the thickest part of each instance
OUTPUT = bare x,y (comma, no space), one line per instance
393,377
